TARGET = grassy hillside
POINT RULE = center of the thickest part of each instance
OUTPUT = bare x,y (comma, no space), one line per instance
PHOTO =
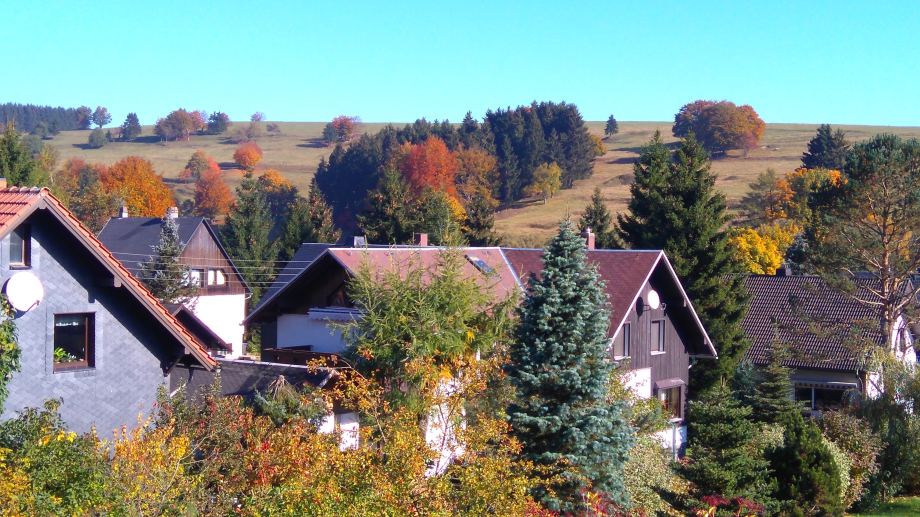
297,150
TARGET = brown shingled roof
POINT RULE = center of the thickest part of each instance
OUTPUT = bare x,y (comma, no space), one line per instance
814,319
17,203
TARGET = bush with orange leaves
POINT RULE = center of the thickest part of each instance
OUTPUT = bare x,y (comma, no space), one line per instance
139,187
248,155
212,195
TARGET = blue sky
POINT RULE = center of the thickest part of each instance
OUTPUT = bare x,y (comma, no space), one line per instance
803,62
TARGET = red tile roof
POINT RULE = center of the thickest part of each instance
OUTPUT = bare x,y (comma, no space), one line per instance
625,273
502,278
17,203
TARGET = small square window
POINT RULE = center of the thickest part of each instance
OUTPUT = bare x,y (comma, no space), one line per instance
658,336
21,246
74,341
621,342
670,401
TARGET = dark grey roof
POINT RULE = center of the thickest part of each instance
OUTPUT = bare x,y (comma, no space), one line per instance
306,254
131,239
822,325
244,378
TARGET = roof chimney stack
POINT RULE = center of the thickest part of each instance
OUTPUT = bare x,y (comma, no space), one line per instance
784,270
420,239
172,212
124,212
360,241
2,182
589,238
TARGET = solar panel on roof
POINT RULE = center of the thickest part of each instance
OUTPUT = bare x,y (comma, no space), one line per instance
480,264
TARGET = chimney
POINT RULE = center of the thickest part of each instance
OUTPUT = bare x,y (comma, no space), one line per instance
589,238
124,212
784,270
420,239
360,241
172,212
2,182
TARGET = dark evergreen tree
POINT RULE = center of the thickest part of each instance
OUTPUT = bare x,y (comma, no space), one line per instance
598,218
16,162
470,134
218,123
391,215
27,116
131,129
755,203
510,172
559,367
722,457
675,207
807,478
774,395
479,228
167,279
307,220
827,150
245,236
611,128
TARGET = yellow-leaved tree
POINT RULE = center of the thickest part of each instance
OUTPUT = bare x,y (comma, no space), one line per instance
546,181
762,250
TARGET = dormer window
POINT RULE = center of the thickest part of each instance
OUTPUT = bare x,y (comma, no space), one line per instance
21,247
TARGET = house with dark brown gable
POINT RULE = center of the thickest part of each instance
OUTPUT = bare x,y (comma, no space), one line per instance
654,330
221,303
826,331
89,332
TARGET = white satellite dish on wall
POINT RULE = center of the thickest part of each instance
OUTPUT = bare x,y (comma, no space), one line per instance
25,291
654,301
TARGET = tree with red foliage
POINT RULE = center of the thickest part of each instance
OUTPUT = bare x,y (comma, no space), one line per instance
212,195
199,120
431,165
247,155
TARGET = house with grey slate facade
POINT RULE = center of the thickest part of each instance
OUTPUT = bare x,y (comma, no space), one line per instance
89,333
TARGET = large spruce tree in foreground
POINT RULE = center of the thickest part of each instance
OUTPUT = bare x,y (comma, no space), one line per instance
558,364
168,280
675,207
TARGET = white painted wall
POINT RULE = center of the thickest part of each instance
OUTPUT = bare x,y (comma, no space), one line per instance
224,315
347,423
640,381
313,329
673,439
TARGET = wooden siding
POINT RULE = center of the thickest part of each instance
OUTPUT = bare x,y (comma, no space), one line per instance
203,252
675,361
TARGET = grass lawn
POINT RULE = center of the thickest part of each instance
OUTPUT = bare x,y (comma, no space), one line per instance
900,507
296,151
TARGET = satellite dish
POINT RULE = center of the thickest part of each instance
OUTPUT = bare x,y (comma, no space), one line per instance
25,291
654,301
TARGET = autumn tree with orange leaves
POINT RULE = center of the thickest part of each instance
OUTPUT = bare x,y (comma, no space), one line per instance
477,175
137,184
430,165
212,195
248,155
719,126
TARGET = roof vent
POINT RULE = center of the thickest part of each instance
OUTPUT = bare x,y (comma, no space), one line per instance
480,264
360,241
172,212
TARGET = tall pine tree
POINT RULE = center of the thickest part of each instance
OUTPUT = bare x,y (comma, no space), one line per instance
559,367
773,397
391,215
245,235
597,217
479,228
168,280
308,220
676,208
611,128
